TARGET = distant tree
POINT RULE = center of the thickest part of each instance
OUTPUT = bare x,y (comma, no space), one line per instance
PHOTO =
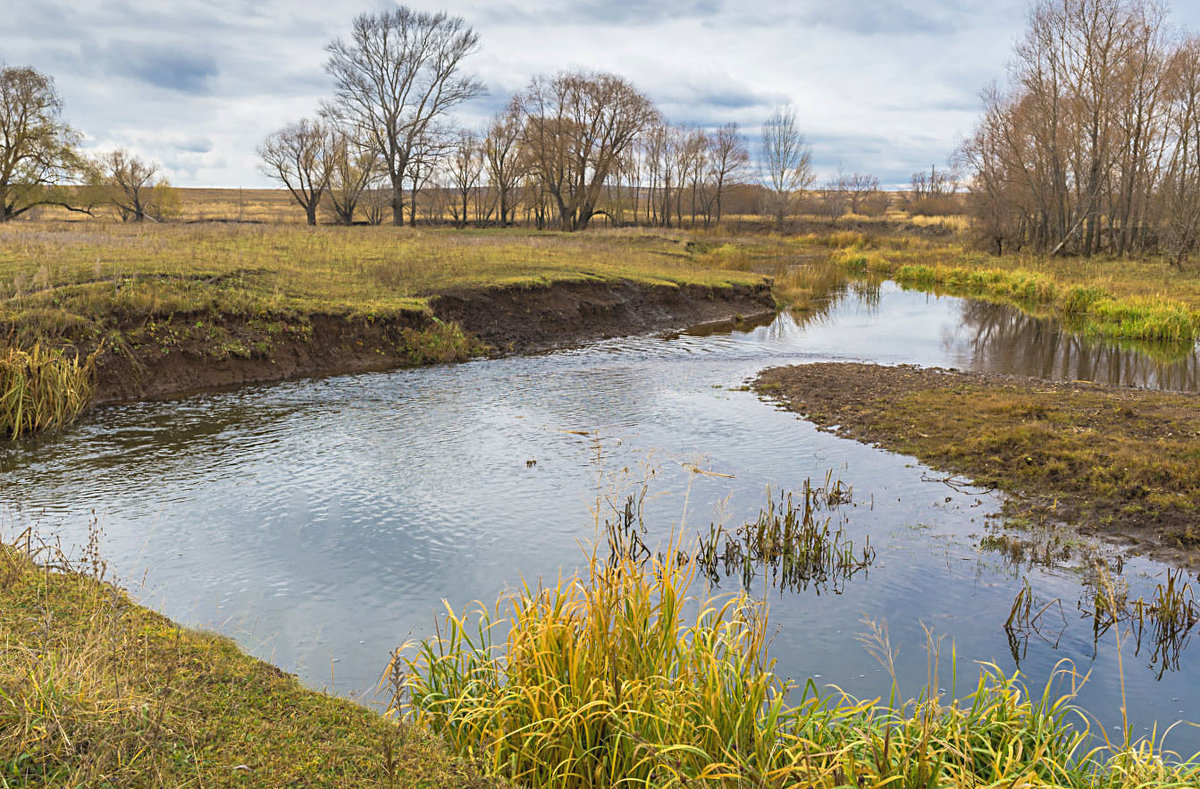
506,162
728,157
353,168
835,198
859,189
464,167
38,150
400,73
130,183
577,127
786,164
298,156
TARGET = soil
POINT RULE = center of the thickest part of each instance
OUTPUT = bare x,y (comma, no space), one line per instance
506,320
1117,463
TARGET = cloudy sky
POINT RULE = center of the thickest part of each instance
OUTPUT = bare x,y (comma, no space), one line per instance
880,86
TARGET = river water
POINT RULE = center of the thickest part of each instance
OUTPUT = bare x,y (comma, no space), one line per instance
322,522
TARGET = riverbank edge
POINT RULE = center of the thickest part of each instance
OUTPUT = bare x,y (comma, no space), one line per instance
187,353
1115,463
97,689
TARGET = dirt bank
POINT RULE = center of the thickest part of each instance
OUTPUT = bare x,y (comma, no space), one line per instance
191,352
1120,463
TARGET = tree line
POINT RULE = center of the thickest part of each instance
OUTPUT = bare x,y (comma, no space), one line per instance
566,149
1093,144
385,147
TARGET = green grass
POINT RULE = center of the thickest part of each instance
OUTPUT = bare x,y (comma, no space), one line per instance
1144,299
97,691
617,678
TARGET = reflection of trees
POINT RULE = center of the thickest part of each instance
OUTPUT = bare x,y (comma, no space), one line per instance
1005,339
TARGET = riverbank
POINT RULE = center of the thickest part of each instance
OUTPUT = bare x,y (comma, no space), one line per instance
1131,299
1119,463
96,690
177,308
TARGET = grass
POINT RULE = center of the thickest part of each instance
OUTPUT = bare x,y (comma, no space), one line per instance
1116,460
1128,299
42,389
619,678
97,691
77,280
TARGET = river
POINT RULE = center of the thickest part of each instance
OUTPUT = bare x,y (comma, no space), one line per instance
322,522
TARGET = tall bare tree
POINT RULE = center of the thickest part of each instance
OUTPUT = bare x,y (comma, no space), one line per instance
785,164
464,167
728,158
506,161
395,78
298,156
37,148
577,126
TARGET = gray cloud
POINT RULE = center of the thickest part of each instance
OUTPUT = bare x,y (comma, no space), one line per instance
167,67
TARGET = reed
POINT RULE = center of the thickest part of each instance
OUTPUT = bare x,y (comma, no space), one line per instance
42,389
620,677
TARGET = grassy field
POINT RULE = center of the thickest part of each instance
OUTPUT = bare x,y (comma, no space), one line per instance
75,279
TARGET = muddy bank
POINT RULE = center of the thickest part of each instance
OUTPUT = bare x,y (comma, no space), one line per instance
186,353
1119,463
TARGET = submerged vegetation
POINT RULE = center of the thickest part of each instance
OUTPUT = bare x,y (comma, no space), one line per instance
789,543
619,677
42,389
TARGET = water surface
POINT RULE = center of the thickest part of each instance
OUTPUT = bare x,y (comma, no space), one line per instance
322,522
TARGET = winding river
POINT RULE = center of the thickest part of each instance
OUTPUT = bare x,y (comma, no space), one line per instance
322,522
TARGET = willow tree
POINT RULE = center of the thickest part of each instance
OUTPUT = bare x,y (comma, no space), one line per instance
577,127
395,78
37,148
299,157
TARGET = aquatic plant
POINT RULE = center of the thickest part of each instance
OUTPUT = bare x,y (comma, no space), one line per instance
790,543
43,388
618,678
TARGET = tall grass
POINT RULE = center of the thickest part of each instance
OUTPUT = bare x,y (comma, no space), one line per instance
43,388
619,677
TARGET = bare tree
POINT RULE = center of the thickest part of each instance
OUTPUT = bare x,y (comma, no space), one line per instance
128,183
577,126
298,157
835,198
786,164
859,189
37,148
464,167
506,162
399,73
728,158
1181,185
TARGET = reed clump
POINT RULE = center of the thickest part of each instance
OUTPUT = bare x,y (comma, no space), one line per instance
621,677
43,388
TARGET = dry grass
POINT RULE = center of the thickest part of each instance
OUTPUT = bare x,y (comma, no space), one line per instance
618,678
98,691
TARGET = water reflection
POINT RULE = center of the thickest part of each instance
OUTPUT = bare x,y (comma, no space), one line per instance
997,338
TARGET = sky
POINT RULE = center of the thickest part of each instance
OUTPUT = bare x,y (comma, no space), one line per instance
886,87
